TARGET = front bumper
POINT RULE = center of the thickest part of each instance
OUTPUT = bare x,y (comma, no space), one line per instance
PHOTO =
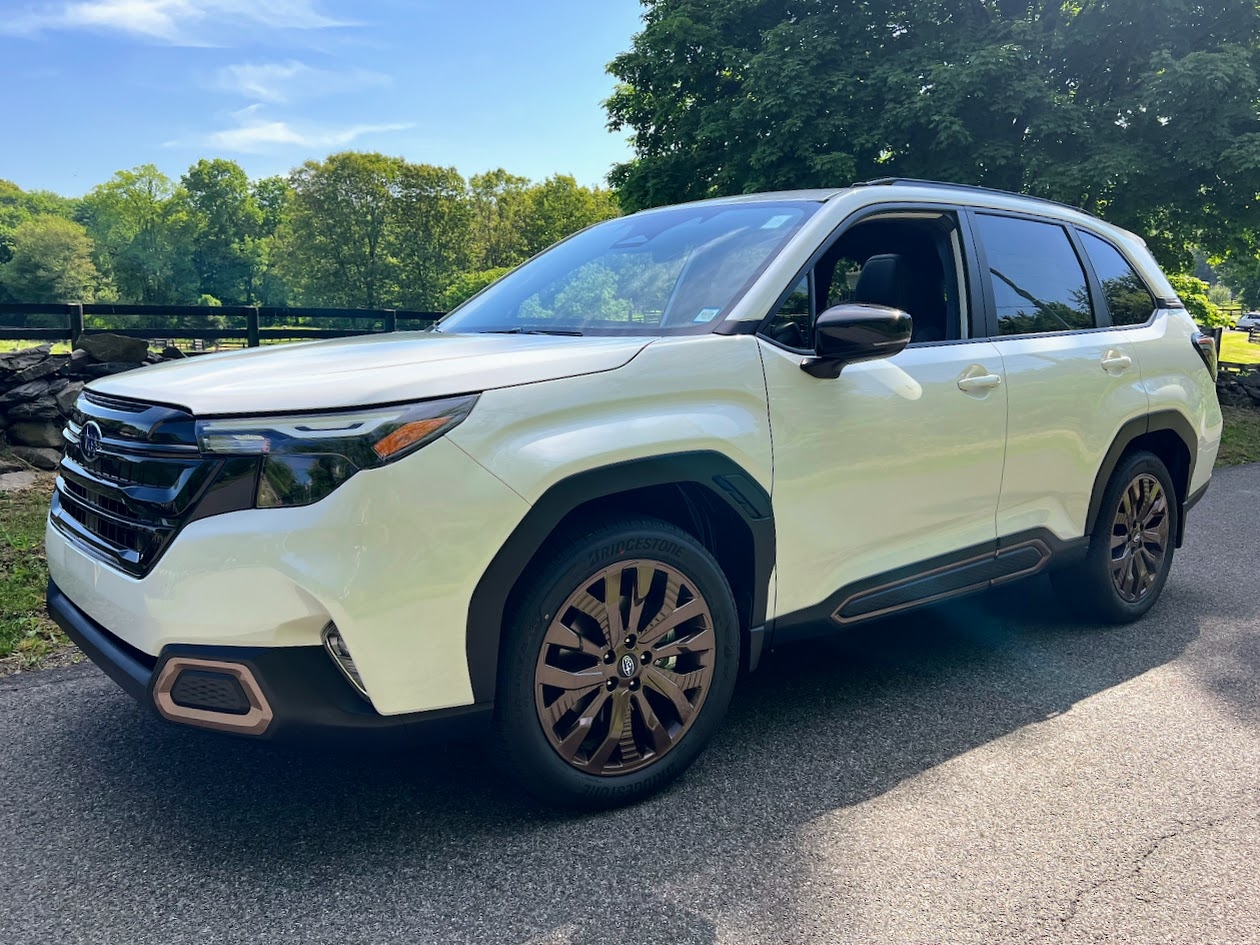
305,696
392,558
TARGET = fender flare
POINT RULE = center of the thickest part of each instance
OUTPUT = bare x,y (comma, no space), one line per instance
1171,420
725,479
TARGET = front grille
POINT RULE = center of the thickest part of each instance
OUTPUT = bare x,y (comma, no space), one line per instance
126,500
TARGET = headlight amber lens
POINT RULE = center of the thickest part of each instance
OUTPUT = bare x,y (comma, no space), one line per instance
304,458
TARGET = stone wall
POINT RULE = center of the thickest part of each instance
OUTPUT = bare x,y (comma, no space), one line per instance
38,388
1239,390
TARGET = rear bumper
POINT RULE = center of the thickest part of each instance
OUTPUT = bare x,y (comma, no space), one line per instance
304,695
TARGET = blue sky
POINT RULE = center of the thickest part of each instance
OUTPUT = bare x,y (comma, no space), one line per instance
99,85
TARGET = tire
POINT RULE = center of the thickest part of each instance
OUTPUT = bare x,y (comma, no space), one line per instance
614,730
1126,568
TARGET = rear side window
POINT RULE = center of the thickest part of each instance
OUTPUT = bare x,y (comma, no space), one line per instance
1038,283
1128,299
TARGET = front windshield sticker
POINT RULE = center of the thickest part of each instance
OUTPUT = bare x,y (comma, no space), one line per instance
706,315
775,222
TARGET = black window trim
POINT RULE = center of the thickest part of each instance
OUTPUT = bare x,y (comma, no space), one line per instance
977,325
1102,315
1156,305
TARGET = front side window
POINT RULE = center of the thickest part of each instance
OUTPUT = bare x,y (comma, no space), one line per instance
1038,283
1128,299
675,271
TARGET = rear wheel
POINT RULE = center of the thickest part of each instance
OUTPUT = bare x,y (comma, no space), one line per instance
1131,547
618,665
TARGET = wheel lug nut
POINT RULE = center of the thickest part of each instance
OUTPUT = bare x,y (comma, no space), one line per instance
612,684
634,685
647,658
630,640
609,656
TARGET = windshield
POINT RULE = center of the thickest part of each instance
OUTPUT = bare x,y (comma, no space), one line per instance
675,271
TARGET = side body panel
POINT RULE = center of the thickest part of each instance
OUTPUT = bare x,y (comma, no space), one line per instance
700,393
887,465
1065,411
1175,379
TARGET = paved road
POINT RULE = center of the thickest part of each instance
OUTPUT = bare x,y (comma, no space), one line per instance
984,772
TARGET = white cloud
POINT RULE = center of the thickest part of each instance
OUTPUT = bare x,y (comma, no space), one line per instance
280,82
255,134
186,22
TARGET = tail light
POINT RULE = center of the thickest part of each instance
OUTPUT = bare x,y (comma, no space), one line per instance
1206,346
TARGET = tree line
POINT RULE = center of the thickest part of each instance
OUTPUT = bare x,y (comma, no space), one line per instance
355,230
1142,111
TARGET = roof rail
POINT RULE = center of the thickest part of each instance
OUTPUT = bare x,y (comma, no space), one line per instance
889,181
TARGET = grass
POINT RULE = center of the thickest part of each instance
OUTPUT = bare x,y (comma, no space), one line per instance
27,637
1236,348
58,347
1240,441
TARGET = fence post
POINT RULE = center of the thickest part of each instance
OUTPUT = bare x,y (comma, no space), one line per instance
74,311
391,320
251,327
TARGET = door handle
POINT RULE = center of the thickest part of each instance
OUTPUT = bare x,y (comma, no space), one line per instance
1115,361
979,382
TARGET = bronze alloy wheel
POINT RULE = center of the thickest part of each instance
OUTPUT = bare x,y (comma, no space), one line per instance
624,667
1139,537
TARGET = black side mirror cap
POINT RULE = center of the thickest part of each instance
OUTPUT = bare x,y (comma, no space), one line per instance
853,332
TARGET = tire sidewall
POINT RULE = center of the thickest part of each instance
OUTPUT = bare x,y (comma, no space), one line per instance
522,739
1111,604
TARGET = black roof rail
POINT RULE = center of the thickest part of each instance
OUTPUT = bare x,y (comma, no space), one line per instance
889,181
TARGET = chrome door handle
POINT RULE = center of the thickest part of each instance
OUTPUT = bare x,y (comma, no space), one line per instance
1115,361
980,382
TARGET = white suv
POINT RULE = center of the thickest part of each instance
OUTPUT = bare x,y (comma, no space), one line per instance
578,506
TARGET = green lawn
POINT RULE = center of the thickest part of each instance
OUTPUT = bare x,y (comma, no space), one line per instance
1236,348
27,636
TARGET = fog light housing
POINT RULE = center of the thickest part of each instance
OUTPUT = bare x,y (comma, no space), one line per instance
336,646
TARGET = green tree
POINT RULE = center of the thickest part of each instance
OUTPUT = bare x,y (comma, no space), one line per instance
559,207
500,204
18,206
341,218
226,225
140,224
1194,293
1142,110
432,235
50,261
467,284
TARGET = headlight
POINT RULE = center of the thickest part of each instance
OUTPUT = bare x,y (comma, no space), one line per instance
305,457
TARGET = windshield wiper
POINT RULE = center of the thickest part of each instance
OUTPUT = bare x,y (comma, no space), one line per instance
533,331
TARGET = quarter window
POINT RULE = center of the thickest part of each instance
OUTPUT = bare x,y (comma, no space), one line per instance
1128,299
1038,283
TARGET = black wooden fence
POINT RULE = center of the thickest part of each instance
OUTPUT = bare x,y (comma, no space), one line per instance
246,321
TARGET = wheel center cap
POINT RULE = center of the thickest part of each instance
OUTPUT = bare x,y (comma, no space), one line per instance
627,666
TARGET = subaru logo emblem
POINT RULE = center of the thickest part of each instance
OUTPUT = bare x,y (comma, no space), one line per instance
628,665
90,440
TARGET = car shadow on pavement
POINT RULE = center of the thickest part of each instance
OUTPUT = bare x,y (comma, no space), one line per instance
436,845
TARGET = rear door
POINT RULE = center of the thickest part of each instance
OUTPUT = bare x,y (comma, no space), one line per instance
1072,377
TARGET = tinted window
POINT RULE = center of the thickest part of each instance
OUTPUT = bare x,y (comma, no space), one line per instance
1038,283
1128,299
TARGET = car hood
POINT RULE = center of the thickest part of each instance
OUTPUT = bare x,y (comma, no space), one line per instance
373,369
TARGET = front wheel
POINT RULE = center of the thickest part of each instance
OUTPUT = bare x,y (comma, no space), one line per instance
618,664
1131,546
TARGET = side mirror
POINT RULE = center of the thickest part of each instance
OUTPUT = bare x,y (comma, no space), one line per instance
853,332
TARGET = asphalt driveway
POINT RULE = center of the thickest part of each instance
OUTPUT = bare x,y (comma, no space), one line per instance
983,772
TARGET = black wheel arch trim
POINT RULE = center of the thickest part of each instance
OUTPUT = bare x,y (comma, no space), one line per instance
724,478
1170,420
